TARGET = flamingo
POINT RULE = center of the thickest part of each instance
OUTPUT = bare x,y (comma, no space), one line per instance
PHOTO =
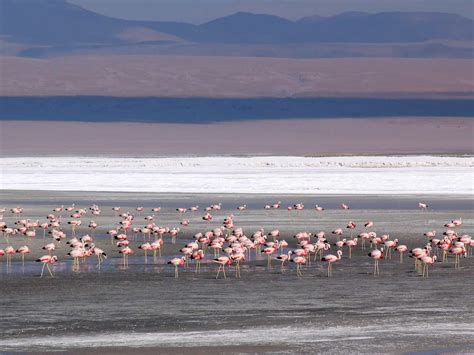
457,251
457,222
299,261
422,206
337,232
389,245
330,259
237,258
9,250
320,248
156,247
177,262
344,206
222,261
198,256
376,254
207,217
146,247
430,234
100,253
351,225
76,254
427,261
23,251
126,252
269,251
369,224
283,258
351,243
401,249
47,260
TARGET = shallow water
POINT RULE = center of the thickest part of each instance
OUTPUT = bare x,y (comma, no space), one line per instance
144,309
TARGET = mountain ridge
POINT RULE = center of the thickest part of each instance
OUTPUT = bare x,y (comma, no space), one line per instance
71,28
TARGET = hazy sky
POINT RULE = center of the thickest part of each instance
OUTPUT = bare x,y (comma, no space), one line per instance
198,11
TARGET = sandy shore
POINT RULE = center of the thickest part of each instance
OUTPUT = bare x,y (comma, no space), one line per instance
144,309
275,137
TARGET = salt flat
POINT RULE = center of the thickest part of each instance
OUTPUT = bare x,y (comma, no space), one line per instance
273,174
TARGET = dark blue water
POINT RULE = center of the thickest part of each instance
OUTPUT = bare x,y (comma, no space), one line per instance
205,110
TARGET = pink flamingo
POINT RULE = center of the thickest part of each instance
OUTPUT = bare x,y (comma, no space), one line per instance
430,234
457,251
344,206
283,258
222,261
330,259
401,250
457,222
237,259
146,247
76,254
156,247
299,261
100,253
198,256
351,243
351,225
23,251
9,250
389,245
176,262
369,224
427,261
47,260
377,255
337,232
422,206
126,252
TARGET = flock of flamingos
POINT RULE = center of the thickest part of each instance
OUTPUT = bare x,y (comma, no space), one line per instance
227,244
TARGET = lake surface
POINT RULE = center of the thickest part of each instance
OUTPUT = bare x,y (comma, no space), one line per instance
205,110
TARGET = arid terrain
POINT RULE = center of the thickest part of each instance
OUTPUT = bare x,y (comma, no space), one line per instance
281,137
201,76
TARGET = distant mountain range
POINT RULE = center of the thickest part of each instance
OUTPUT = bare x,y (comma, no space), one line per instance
42,27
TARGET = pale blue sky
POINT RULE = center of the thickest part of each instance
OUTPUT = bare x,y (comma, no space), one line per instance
198,11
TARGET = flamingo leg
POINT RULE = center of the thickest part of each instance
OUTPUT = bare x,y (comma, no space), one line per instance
218,271
47,266
42,270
